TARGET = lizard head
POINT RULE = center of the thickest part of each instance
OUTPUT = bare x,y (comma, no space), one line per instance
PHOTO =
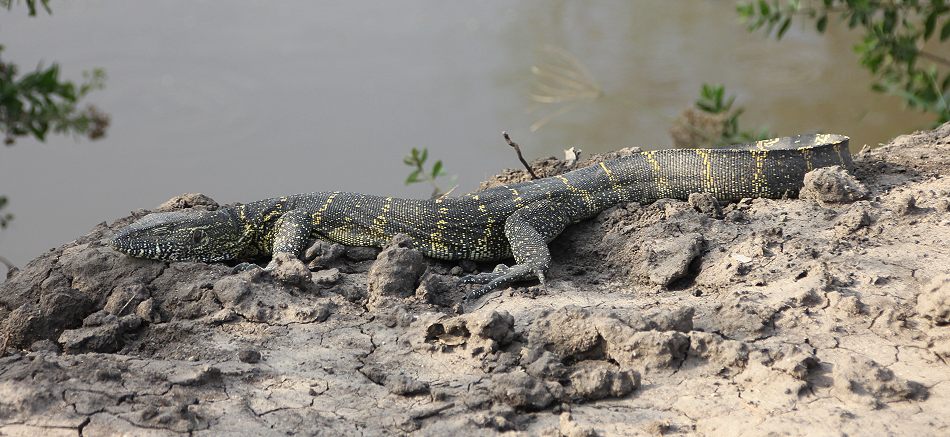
188,235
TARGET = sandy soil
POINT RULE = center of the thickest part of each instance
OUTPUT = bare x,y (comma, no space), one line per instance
828,315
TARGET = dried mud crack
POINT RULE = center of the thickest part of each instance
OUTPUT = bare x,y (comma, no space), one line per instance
828,314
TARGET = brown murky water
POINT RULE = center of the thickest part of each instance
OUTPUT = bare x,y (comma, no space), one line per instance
248,99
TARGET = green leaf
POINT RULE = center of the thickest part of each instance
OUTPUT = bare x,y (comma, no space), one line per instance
822,23
783,27
745,10
413,177
945,31
930,24
764,7
436,169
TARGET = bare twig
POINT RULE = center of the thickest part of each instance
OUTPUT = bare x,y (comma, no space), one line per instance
446,194
934,57
134,295
514,145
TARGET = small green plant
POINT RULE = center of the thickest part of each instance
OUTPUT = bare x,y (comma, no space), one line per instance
713,121
713,100
897,46
416,159
38,102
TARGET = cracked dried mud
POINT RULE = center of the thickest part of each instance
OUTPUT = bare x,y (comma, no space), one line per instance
828,315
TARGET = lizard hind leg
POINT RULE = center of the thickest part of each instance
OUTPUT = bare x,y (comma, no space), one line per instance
528,231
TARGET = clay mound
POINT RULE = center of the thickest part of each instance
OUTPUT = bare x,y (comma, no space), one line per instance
822,315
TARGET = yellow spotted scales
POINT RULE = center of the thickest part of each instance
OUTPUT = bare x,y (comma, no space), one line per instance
509,221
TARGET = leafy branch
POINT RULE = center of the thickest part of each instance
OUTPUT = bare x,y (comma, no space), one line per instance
35,103
39,102
896,47
416,159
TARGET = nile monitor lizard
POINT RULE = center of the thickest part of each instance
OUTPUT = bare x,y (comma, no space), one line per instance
516,220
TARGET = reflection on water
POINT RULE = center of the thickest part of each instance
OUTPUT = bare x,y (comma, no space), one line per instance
560,81
247,99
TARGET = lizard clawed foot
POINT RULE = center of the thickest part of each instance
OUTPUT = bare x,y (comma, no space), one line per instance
484,278
502,275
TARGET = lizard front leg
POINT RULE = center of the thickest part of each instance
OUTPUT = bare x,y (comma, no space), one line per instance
528,231
291,235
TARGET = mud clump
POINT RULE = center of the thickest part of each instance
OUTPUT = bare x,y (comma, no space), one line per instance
523,391
933,302
669,260
100,333
188,200
832,185
396,272
290,270
480,332
706,203
598,380
854,219
865,381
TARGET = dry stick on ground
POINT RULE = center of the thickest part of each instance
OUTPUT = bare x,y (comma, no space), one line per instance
520,157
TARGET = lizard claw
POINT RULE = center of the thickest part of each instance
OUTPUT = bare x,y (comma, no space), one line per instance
500,277
484,278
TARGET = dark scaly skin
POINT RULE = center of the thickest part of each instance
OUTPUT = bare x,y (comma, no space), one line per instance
515,220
